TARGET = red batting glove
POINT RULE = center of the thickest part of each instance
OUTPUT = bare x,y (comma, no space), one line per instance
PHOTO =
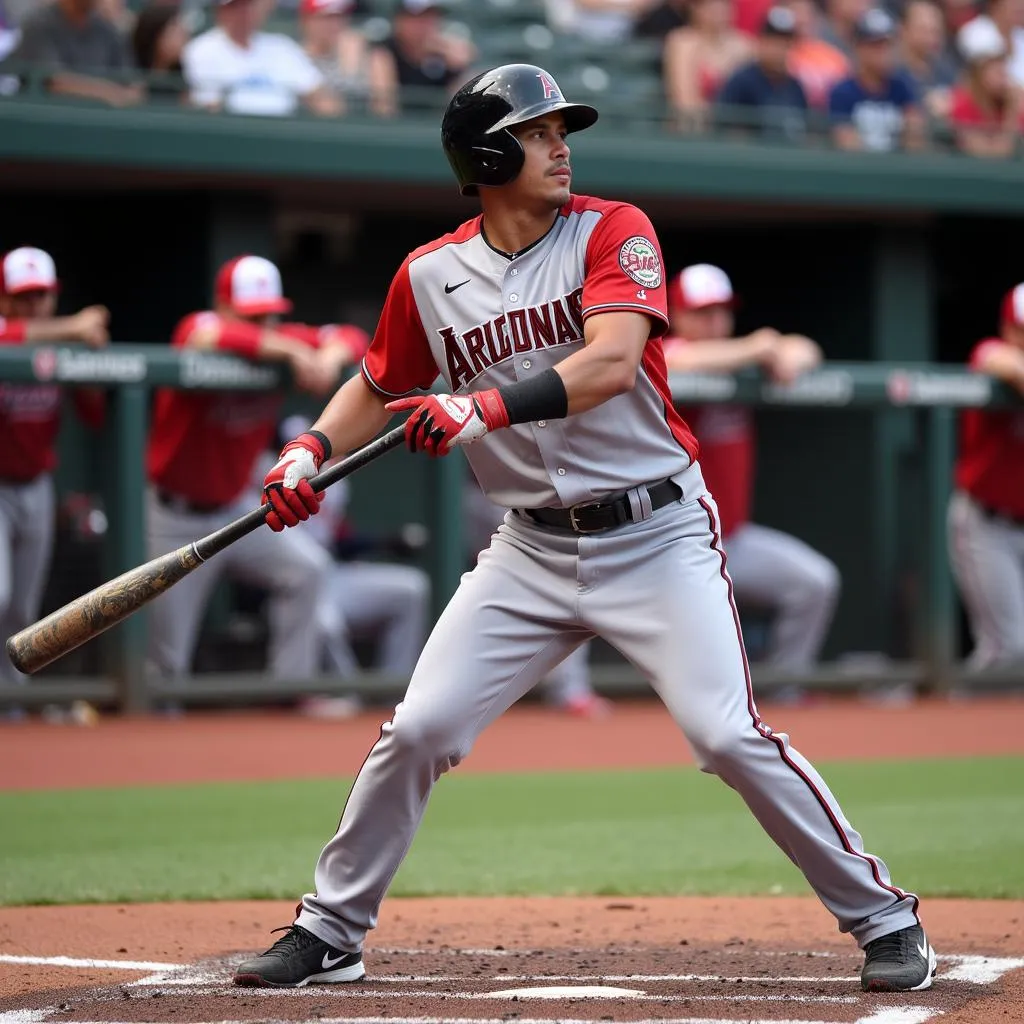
286,487
441,422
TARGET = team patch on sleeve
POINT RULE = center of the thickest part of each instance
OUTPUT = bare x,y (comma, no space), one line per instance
639,258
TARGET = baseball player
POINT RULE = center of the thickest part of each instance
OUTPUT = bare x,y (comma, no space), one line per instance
986,512
769,569
29,422
202,448
544,317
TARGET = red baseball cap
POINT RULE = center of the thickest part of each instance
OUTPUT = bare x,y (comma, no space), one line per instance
326,6
27,270
1013,306
251,286
699,286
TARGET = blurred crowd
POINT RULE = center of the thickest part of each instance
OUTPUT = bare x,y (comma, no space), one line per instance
912,74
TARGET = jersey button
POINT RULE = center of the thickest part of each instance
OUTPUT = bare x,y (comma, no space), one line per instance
527,364
514,297
561,472
542,423
513,271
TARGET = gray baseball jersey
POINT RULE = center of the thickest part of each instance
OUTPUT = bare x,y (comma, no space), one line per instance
656,588
483,319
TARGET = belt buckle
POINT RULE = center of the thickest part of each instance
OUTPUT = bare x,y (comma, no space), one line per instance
574,523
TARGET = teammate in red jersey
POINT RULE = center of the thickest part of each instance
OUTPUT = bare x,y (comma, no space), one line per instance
203,446
29,421
986,514
770,569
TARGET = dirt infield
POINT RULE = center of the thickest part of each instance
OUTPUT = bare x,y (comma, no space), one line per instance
537,960
245,745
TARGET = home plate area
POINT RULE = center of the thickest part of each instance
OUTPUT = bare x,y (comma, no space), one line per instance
445,986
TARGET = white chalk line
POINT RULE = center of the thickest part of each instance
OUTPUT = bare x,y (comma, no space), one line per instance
891,1015
70,961
973,969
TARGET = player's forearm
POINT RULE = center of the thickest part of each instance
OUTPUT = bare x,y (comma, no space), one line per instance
58,328
354,416
608,365
716,355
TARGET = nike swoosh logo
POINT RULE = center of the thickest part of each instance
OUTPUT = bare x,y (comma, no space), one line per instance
327,963
449,288
923,950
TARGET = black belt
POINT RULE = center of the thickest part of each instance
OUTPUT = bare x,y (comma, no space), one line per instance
598,516
176,503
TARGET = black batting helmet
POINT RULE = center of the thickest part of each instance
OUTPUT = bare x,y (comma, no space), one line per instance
474,130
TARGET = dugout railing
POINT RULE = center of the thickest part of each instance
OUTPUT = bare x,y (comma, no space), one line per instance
128,372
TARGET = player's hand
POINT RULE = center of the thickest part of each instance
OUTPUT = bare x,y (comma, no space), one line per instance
309,370
439,423
90,326
792,356
286,487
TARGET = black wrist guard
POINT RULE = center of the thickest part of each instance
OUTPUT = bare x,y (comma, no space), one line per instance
540,398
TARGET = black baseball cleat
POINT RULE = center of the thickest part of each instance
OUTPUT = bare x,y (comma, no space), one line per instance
902,961
299,958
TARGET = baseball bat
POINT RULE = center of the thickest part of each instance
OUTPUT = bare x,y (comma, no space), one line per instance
87,616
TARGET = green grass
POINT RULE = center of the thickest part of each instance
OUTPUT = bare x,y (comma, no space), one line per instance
951,828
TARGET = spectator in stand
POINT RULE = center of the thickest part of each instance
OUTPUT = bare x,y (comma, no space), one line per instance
1008,17
29,421
923,57
986,109
10,33
338,50
236,67
200,458
597,21
840,25
700,57
419,54
662,19
158,40
876,107
817,65
83,52
766,86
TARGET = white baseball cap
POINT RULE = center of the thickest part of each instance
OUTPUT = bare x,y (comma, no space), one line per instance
28,270
1013,306
251,286
979,40
700,285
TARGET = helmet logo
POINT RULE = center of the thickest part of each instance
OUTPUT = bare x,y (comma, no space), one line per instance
550,89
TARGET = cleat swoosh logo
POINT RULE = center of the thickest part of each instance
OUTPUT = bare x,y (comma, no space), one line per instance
923,950
328,961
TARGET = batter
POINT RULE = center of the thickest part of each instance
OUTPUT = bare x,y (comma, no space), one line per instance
544,317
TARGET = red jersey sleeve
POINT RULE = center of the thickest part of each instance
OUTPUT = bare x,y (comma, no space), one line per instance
12,332
91,406
399,359
623,268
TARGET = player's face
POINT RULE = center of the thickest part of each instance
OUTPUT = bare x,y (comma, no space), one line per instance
703,324
546,177
35,305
